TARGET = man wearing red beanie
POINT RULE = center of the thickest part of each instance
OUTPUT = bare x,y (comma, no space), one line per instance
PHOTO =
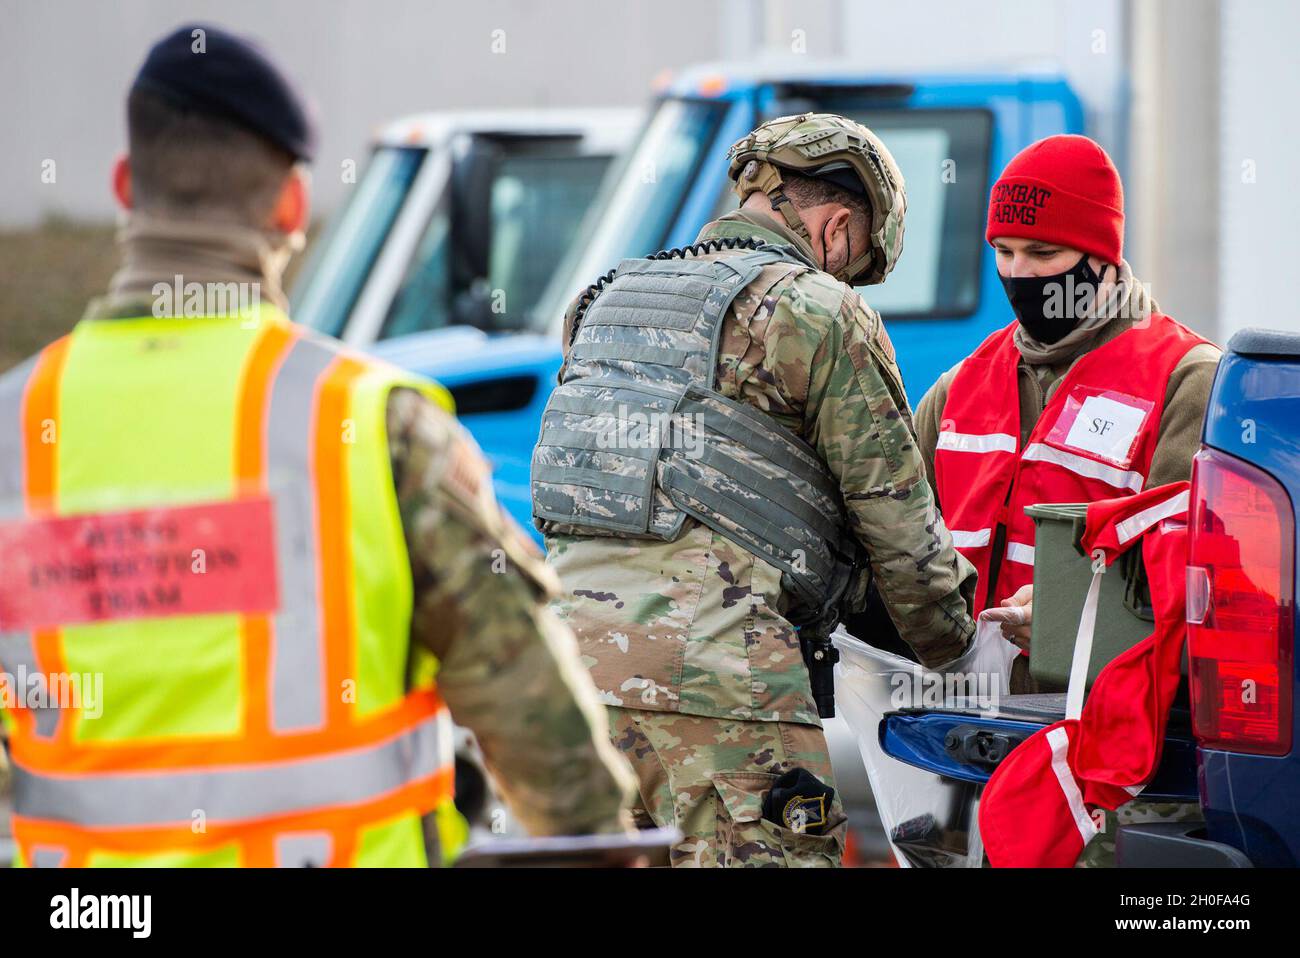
1090,393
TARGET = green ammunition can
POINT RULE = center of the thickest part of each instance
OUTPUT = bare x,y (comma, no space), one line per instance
1062,574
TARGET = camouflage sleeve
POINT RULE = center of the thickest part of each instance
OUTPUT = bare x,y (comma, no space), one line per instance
860,422
509,670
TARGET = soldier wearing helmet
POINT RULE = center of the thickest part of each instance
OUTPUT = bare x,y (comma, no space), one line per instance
841,157
727,461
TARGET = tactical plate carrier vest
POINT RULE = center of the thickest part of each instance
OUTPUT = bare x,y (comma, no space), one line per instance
636,437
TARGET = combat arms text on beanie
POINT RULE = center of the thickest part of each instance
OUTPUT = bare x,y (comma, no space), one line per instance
1063,189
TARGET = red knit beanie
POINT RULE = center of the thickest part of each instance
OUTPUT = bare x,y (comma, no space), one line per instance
1065,190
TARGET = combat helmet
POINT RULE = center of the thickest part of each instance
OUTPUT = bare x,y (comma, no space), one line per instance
825,145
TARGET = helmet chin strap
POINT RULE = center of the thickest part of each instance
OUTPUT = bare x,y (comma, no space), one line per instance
781,204
765,178
855,267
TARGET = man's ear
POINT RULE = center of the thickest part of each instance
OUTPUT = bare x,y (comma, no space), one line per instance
122,181
293,205
839,220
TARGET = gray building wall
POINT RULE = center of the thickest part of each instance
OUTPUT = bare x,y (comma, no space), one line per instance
1259,153
65,66
1172,191
1190,96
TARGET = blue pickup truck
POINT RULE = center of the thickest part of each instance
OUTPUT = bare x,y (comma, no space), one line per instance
1229,751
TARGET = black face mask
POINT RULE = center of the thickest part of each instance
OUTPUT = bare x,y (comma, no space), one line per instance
1050,306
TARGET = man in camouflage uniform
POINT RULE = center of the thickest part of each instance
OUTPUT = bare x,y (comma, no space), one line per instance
690,634
508,669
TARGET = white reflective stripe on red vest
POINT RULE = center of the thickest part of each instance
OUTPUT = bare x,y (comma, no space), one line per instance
1132,527
1082,466
988,442
1020,552
985,480
963,539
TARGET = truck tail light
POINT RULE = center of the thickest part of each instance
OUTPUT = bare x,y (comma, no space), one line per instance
1240,606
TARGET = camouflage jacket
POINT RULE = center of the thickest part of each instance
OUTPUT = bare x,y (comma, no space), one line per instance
697,625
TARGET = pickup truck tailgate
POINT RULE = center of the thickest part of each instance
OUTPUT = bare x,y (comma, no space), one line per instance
968,743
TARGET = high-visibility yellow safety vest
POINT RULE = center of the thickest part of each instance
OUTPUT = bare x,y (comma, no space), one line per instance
205,603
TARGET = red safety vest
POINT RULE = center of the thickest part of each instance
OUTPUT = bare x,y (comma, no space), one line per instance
1094,440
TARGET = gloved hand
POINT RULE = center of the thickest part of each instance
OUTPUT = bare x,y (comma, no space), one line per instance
1015,616
989,653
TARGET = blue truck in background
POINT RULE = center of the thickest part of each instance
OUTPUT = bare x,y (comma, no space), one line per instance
1229,751
950,134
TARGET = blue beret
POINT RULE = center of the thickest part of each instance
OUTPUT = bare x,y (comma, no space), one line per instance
232,77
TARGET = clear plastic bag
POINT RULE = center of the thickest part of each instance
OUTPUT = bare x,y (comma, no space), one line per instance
930,820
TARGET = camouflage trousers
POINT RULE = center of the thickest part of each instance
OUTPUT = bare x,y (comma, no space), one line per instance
1100,852
708,777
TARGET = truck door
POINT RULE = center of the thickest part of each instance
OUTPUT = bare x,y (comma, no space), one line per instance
513,208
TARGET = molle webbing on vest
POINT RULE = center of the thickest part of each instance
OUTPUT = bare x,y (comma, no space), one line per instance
636,437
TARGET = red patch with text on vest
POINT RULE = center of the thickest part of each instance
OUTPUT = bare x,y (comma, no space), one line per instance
1102,423
206,558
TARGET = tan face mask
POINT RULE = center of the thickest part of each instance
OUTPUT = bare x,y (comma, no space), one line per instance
281,248
158,249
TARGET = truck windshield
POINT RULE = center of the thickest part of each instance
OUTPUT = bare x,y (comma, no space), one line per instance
639,204
324,298
944,156
537,198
